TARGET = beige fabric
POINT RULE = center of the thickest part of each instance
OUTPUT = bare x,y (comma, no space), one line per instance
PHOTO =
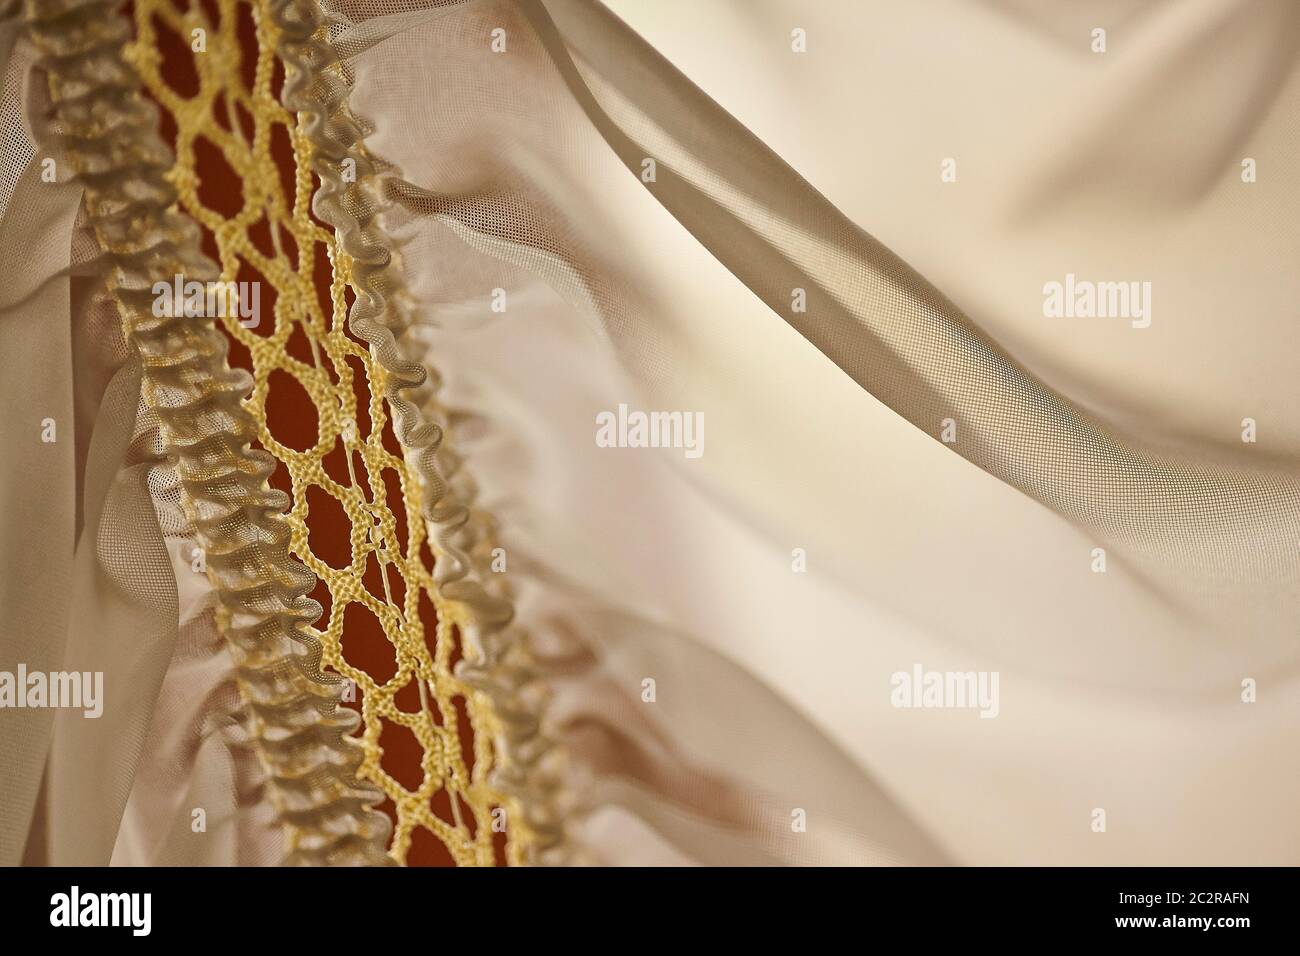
1121,690
520,170
86,579
39,490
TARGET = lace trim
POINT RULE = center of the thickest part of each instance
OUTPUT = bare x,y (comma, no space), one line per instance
299,732
505,670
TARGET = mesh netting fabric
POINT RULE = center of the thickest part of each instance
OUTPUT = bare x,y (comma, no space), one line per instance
217,422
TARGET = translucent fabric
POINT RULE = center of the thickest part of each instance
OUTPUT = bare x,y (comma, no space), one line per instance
826,234
94,541
523,171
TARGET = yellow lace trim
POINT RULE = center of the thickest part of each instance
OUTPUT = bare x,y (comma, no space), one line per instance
260,559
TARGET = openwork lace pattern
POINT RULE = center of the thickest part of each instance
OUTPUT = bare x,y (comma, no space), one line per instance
152,215
533,772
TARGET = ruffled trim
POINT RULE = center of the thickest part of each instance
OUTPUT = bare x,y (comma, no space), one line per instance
301,735
504,670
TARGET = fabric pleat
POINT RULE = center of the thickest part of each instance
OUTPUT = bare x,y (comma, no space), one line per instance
523,172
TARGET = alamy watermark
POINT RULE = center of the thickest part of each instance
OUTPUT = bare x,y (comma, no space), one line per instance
637,429
920,688
75,908
214,300
1084,299
75,690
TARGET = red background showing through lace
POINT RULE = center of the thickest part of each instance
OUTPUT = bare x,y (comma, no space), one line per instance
292,418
